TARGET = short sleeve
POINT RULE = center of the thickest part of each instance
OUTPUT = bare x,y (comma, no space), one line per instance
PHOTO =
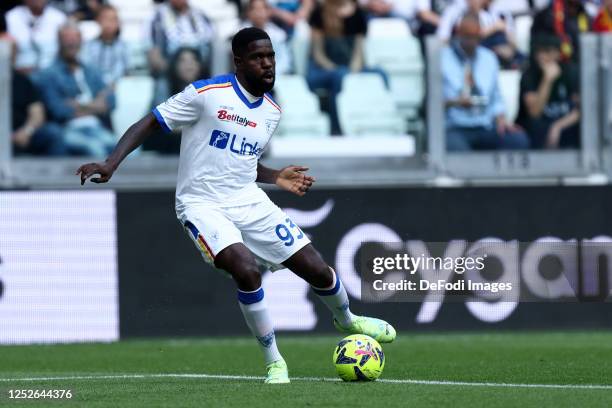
529,82
316,19
179,110
360,23
30,93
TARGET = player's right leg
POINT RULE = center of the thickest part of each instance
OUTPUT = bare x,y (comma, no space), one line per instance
240,263
220,243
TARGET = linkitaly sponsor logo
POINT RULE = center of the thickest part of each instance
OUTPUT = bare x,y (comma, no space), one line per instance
220,140
232,117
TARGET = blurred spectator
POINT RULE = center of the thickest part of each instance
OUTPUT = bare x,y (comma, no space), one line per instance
79,9
175,24
429,13
288,13
475,111
550,97
30,134
75,96
107,52
603,21
566,19
34,26
187,67
497,29
258,14
338,31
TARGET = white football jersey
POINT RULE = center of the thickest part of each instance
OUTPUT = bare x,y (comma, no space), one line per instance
223,137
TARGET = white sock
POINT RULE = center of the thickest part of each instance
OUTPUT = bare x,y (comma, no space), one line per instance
256,315
336,300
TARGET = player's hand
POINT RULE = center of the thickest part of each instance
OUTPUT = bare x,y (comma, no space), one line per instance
292,178
105,171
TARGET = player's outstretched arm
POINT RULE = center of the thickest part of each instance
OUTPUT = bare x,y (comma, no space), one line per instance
133,137
290,178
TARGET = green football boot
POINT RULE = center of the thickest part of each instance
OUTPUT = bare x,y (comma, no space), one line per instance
277,373
379,330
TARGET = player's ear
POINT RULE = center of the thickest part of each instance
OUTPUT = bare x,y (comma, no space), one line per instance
237,60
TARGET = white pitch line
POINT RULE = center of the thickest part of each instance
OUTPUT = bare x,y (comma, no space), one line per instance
324,379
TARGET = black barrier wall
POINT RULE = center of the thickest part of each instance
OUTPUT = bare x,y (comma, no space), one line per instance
167,289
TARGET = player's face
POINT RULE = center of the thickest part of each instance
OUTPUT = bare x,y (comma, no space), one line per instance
259,65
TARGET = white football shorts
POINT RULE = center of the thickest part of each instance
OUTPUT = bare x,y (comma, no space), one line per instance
262,227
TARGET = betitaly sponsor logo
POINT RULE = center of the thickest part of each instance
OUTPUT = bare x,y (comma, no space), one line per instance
223,115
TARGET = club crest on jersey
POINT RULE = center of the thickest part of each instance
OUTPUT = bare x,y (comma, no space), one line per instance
223,115
271,125
221,139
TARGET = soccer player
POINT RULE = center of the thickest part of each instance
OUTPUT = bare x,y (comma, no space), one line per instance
226,122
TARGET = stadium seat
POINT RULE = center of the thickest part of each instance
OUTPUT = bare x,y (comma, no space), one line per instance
368,113
400,57
394,54
373,83
510,88
388,28
133,99
523,33
302,115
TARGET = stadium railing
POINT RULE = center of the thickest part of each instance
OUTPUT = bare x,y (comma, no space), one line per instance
5,112
606,103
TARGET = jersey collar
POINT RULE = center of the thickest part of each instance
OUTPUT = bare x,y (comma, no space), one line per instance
244,99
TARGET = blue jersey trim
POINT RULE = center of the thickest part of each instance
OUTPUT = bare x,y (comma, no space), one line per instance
247,298
244,99
161,121
219,79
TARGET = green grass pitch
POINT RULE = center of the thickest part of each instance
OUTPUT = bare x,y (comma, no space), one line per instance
560,369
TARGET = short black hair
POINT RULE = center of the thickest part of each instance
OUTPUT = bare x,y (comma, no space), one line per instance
244,37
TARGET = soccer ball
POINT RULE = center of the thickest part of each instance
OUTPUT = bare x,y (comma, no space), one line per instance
359,358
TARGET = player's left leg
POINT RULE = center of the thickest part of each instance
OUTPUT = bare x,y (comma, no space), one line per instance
271,235
308,264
